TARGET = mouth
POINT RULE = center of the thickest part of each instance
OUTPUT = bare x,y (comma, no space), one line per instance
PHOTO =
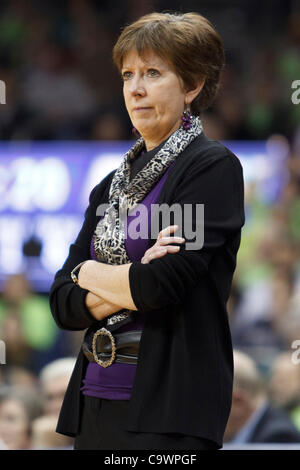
141,108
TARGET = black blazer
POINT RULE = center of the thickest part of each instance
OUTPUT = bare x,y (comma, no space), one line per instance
184,375
275,426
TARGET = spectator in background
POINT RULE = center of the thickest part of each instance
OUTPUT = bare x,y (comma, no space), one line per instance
2,445
54,378
266,318
18,409
55,92
284,385
65,51
18,351
44,435
252,418
26,325
19,377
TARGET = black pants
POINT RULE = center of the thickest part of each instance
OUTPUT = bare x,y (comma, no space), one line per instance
103,424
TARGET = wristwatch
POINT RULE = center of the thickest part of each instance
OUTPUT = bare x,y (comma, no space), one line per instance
77,268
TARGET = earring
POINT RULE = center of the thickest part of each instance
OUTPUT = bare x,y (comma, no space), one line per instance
186,119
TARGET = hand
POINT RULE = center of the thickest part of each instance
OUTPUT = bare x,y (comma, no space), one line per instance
100,308
161,247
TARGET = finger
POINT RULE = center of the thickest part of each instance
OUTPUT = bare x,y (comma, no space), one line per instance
166,231
161,249
172,249
155,253
149,252
158,250
167,240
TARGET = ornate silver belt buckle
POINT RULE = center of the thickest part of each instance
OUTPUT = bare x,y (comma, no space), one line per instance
104,332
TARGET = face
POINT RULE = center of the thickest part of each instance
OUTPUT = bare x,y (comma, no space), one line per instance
13,425
241,410
284,372
154,96
54,393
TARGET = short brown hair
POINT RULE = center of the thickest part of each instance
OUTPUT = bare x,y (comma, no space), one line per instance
187,41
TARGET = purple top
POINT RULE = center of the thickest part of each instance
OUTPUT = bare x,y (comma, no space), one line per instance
116,381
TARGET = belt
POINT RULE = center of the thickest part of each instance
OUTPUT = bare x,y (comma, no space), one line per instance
104,348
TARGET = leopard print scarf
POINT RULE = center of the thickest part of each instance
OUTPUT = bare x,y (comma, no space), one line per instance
125,195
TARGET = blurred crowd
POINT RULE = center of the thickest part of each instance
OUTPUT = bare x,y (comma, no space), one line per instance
55,59
30,405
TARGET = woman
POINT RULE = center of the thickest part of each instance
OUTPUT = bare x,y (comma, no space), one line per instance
166,382
18,409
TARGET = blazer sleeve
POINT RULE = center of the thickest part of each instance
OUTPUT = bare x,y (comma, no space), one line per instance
67,300
218,185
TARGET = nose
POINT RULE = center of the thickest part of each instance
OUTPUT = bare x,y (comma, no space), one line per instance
137,87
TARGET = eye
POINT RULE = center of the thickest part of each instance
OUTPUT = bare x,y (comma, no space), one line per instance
126,75
153,72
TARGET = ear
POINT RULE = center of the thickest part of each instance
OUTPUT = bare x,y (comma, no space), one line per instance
191,94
